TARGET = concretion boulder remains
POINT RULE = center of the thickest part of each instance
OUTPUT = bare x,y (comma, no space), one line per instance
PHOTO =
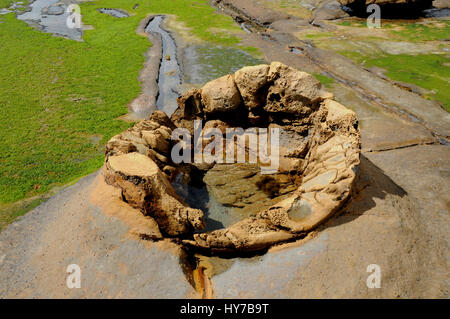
319,147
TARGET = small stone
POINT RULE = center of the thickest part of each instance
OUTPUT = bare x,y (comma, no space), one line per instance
55,10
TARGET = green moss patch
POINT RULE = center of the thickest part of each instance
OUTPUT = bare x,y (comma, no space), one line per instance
435,31
325,80
430,72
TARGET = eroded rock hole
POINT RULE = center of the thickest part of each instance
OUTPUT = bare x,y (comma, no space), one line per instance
302,175
275,97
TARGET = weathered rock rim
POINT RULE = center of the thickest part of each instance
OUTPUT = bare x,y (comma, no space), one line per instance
320,161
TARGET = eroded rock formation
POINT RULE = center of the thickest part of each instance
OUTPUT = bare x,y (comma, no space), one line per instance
318,156
136,162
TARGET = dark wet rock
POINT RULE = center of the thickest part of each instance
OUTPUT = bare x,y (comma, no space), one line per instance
292,91
318,156
389,8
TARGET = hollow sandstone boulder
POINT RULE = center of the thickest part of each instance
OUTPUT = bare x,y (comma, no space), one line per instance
318,154
130,165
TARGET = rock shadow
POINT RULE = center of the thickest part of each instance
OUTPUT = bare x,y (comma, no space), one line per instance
371,182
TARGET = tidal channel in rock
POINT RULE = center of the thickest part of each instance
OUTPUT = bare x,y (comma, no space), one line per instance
169,71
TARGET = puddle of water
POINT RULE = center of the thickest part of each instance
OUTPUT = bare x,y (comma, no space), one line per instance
217,216
169,71
203,63
114,12
50,16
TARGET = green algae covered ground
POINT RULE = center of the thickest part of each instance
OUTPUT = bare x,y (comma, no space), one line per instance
60,99
414,52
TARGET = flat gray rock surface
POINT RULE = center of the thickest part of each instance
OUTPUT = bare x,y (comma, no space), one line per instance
67,229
